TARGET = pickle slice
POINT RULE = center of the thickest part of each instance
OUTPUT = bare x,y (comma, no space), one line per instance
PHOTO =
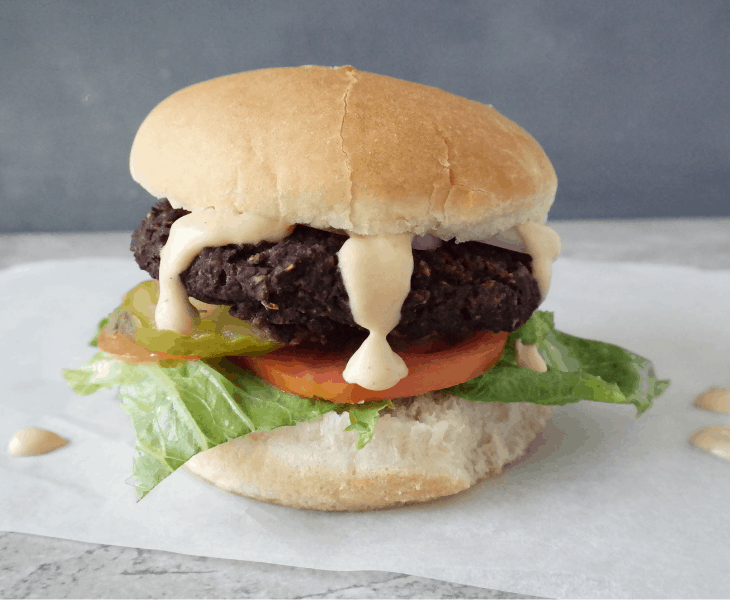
216,333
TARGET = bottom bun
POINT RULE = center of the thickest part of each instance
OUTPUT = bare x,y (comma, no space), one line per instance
429,446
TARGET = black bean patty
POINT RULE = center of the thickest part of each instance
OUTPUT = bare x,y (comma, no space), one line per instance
292,291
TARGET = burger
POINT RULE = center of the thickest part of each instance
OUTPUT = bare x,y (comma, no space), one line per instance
342,310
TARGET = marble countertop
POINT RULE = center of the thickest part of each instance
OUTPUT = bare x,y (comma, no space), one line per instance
41,567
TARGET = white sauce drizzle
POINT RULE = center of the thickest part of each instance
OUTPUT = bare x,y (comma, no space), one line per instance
543,244
529,358
377,271
188,236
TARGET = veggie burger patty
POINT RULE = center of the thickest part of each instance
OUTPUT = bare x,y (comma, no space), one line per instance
292,290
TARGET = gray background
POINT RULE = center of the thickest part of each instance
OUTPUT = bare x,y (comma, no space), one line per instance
630,99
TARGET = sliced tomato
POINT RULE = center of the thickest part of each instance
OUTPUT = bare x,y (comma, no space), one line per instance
319,374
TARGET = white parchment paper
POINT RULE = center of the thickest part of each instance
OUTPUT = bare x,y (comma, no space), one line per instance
604,505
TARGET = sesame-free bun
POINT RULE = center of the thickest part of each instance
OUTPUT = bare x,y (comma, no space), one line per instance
435,446
337,148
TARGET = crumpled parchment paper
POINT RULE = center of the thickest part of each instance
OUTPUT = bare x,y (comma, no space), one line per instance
604,505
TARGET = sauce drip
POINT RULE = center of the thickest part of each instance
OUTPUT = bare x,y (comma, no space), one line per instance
716,399
543,244
188,236
529,358
377,271
714,439
32,441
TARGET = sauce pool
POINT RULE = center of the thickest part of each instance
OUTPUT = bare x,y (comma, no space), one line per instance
32,441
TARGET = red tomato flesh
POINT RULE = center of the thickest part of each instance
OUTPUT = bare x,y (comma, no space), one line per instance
319,374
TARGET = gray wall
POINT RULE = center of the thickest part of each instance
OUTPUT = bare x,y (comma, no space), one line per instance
630,99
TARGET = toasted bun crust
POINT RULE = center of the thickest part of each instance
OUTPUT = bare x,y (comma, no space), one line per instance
436,446
338,148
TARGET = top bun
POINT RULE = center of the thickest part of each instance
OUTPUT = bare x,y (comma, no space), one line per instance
337,148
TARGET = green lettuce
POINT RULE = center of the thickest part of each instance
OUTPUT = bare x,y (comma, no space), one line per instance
180,408
577,369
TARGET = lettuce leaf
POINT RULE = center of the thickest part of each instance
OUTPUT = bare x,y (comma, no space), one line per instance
182,409
95,340
577,369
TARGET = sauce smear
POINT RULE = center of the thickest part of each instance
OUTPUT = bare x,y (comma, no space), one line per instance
716,399
32,441
714,439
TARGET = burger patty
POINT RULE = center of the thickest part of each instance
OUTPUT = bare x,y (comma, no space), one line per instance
293,293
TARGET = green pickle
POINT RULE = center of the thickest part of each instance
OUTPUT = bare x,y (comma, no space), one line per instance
216,333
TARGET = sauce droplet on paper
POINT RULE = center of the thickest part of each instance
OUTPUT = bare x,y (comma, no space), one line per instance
716,399
714,439
32,441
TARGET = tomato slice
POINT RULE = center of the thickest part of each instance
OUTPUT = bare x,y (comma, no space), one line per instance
319,374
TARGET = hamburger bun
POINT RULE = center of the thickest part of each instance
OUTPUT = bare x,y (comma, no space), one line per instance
337,148
435,445
340,149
